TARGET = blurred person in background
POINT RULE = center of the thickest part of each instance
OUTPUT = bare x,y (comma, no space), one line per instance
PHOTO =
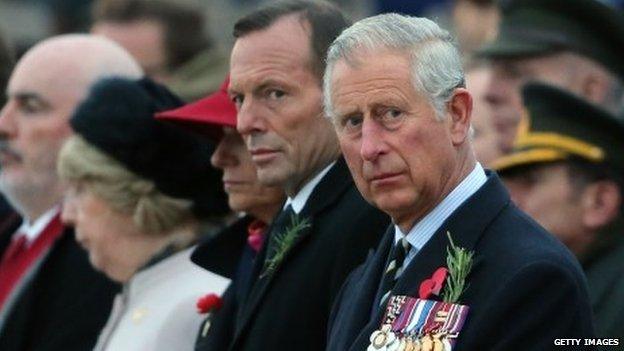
231,252
576,44
475,23
168,39
9,219
566,171
50,297
137,188
486,141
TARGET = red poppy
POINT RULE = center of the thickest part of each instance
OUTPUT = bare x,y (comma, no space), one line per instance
209,303
433,285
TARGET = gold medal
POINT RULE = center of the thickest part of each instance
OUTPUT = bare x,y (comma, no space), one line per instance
412,344
438,345
426,343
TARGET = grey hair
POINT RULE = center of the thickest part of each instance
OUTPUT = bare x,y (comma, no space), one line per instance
435,60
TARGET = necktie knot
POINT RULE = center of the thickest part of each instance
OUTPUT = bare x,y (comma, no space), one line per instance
394,269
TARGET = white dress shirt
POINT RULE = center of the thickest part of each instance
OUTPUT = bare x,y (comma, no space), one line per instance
32,230
424,229
298,201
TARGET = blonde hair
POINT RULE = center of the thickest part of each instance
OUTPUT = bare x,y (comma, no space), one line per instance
152,211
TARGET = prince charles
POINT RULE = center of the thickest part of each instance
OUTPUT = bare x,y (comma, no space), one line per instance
461,267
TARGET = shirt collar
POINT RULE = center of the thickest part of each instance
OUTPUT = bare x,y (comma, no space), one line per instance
298,201
422,231
34,229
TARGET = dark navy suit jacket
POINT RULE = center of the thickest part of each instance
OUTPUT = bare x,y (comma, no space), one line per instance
63,307
289,308
525,288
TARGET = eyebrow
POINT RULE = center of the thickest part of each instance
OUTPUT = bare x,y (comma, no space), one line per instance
264,83
24,96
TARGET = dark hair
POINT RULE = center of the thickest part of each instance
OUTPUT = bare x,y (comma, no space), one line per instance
6,66
325,19
184,25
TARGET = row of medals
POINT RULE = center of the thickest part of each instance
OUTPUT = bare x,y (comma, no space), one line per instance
385,339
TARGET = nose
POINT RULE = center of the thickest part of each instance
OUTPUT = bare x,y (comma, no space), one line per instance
372,143
222,156
248,118
8,128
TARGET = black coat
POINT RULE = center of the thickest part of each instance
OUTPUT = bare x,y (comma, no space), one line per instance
289,308
525,288
228,255
63,307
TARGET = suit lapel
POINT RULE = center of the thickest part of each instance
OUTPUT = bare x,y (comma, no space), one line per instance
356,309
209,254
328,190
466,226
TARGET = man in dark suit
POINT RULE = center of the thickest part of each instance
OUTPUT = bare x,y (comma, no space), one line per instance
570,182
325,228
461,265
229,253
50,296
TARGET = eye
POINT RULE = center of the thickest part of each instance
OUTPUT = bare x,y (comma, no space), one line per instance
237,99
392,113
275,94
351,124
31,105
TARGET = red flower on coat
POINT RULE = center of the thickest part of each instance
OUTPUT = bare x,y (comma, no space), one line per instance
433,285
209,303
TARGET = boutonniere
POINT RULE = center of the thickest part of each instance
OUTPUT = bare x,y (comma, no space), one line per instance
207,304
283,242
452,277
255,235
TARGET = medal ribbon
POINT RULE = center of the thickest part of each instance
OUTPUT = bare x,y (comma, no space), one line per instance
406,314
431,325
423,308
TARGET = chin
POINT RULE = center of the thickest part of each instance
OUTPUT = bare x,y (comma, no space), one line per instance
270,176
393,205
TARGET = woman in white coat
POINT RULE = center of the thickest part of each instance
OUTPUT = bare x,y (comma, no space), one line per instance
138,190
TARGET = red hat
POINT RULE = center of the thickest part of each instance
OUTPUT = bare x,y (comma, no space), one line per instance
206,116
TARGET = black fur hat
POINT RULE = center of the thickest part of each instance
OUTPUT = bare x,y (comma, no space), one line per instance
117,117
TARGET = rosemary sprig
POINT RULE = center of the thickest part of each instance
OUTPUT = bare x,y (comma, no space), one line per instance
459,263
283,242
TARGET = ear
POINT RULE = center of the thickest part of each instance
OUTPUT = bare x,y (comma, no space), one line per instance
459,115
601,204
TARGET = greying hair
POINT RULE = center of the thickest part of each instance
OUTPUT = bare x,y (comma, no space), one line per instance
435,60
153,212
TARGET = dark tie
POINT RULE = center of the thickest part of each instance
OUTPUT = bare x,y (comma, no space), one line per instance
282,221
393,269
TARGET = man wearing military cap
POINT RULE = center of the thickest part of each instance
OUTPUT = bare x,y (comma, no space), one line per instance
566,172
576,44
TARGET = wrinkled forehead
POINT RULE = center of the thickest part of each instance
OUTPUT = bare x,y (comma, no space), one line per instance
284,46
